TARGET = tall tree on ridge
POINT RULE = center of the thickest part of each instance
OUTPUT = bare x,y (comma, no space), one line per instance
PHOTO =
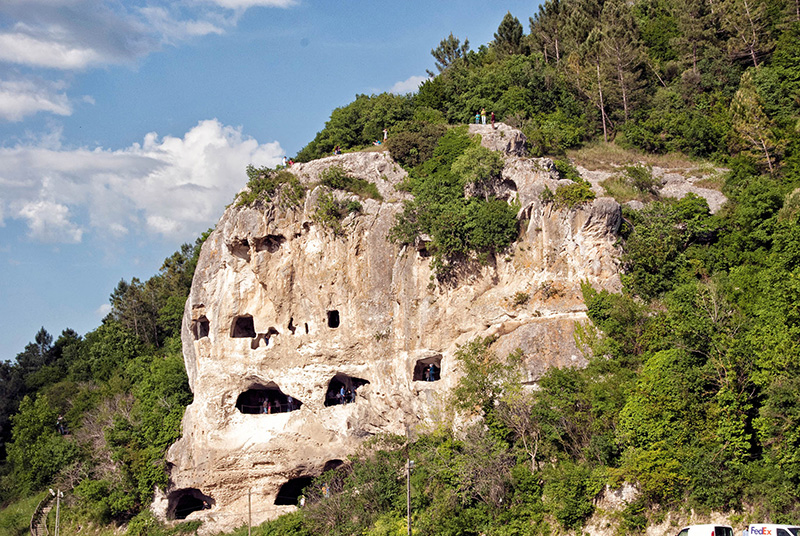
746,20
546,28
623,49
751,124
449,51
508,39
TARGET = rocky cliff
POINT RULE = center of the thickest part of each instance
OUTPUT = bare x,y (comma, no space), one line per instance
284,315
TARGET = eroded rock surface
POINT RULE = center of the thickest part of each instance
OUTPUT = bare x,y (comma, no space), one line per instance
281,307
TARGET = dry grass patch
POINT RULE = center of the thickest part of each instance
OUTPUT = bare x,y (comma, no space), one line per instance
602,156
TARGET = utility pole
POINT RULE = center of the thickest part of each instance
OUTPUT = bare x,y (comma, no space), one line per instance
409,466
57,494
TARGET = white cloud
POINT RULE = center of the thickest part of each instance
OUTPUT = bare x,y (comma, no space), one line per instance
176,187
172,29
50,222
103,310
244,4
19,98
29,50
409,85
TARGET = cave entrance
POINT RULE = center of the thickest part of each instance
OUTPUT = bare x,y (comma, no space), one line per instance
266,399
290,492
243,327
428,369
342,389
200,328
182,502
333,319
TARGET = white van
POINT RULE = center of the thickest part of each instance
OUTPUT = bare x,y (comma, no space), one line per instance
706,530
765,529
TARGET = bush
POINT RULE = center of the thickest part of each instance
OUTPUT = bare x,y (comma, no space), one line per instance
572,195
264,183
336,177
331,211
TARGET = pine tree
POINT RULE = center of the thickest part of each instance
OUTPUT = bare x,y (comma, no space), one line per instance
747,22
546,29
508,39
698,26
751,124
622,49
448,52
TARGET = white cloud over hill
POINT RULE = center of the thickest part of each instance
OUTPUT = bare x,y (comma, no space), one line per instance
172,186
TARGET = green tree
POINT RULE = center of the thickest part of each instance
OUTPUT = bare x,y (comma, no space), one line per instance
508,39
751,125
449,51
37,451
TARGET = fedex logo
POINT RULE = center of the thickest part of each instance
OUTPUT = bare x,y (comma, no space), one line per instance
763,531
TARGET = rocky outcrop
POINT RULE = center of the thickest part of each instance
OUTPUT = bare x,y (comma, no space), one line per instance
283,310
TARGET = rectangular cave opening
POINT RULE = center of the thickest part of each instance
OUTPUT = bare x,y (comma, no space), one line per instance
333,318
200,328
243,327
428,369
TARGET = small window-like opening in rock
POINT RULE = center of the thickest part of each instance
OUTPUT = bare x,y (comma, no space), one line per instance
182,502
272,331
342,389
243,327
240,248
306,324
255,343
291,326
333,319
330,465
271,243
511,185
266,399
200,328
290,492
424,253
428,369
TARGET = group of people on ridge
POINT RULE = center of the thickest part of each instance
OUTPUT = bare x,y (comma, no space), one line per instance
480,117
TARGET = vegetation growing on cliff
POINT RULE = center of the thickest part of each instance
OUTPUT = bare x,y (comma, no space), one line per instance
265,184
692,395
458,226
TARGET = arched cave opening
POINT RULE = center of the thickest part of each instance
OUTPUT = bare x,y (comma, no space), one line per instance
342,389
240,248
428,369
243,327
182,502
330,465
290,492
333,318
200,328
271,243
266,399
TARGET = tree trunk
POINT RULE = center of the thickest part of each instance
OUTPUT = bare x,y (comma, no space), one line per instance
622,87
602,106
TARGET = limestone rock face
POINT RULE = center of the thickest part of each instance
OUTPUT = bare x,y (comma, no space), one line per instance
282,307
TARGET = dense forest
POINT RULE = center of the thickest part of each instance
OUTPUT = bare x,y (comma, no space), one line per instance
692,392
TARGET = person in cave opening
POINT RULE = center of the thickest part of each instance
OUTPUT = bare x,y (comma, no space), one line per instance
431,373
342,395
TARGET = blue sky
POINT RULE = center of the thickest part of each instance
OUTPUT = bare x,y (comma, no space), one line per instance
126,125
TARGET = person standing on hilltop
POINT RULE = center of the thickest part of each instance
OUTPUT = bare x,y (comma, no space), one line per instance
483,116
492,120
